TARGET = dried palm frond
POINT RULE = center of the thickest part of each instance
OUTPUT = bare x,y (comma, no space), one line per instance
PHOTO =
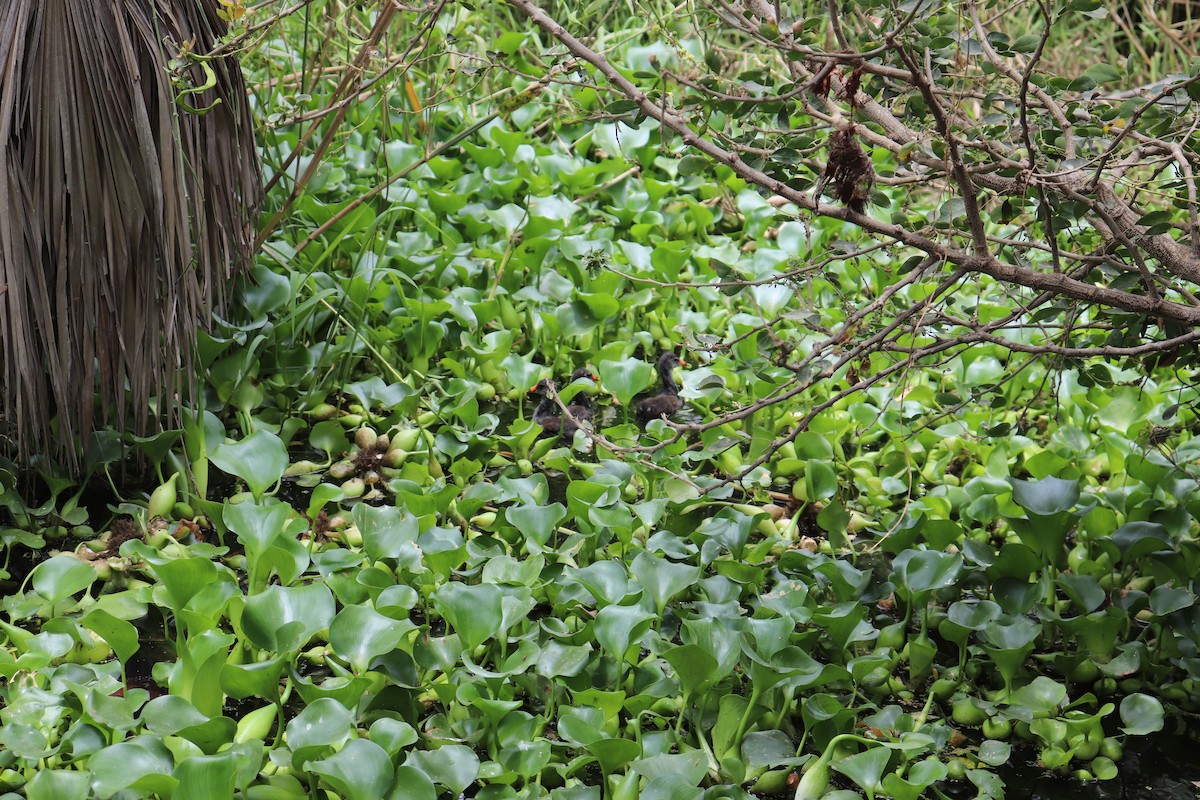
122,214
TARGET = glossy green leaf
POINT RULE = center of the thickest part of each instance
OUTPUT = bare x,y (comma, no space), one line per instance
865,768
259,460
1083,590
1047,496
284,619
922,571
1141,714
625,378
61,577
474,612
1043,696
323,724
386,530
617,627
1135,539
452,766
392,735
359,634
526,758
695,668
140,763
605,580
206,777
410,783
995,753
535,522
661,579
820,480
58,784
614,754
257,526
121,635
1167,600
359,771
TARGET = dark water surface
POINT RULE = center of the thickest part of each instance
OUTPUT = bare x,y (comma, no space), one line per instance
1162,766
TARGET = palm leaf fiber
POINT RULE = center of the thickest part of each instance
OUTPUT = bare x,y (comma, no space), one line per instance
122,216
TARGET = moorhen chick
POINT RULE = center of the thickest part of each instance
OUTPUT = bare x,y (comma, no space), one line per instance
667,401
546,413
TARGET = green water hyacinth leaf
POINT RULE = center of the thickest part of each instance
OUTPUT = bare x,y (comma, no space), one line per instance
535,522
557,659
170,715
694,667
1045,497
661,579
322,495
770,634
1050,731
1008,641
359,771
142,763
61,577
718,637
820,480
392,735
973,614
580,316
412,784
605,580
994,752
1083,590
1011,633
259,460
359,634
267,291
283,619
121,636
527,759
182,578
1042,697
687,768
1126,662
58,784
259,679
664,787
580,725
625,378
452,766
760,749
1166,600
1136,539
617,627
198,675
916,780
613,754
865,768
521,372
156,447
474,612
328,436
1142,714
373,391
791,667
919,572
323,724
207,777
257,526
386,530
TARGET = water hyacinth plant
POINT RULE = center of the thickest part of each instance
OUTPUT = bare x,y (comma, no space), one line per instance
358,567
